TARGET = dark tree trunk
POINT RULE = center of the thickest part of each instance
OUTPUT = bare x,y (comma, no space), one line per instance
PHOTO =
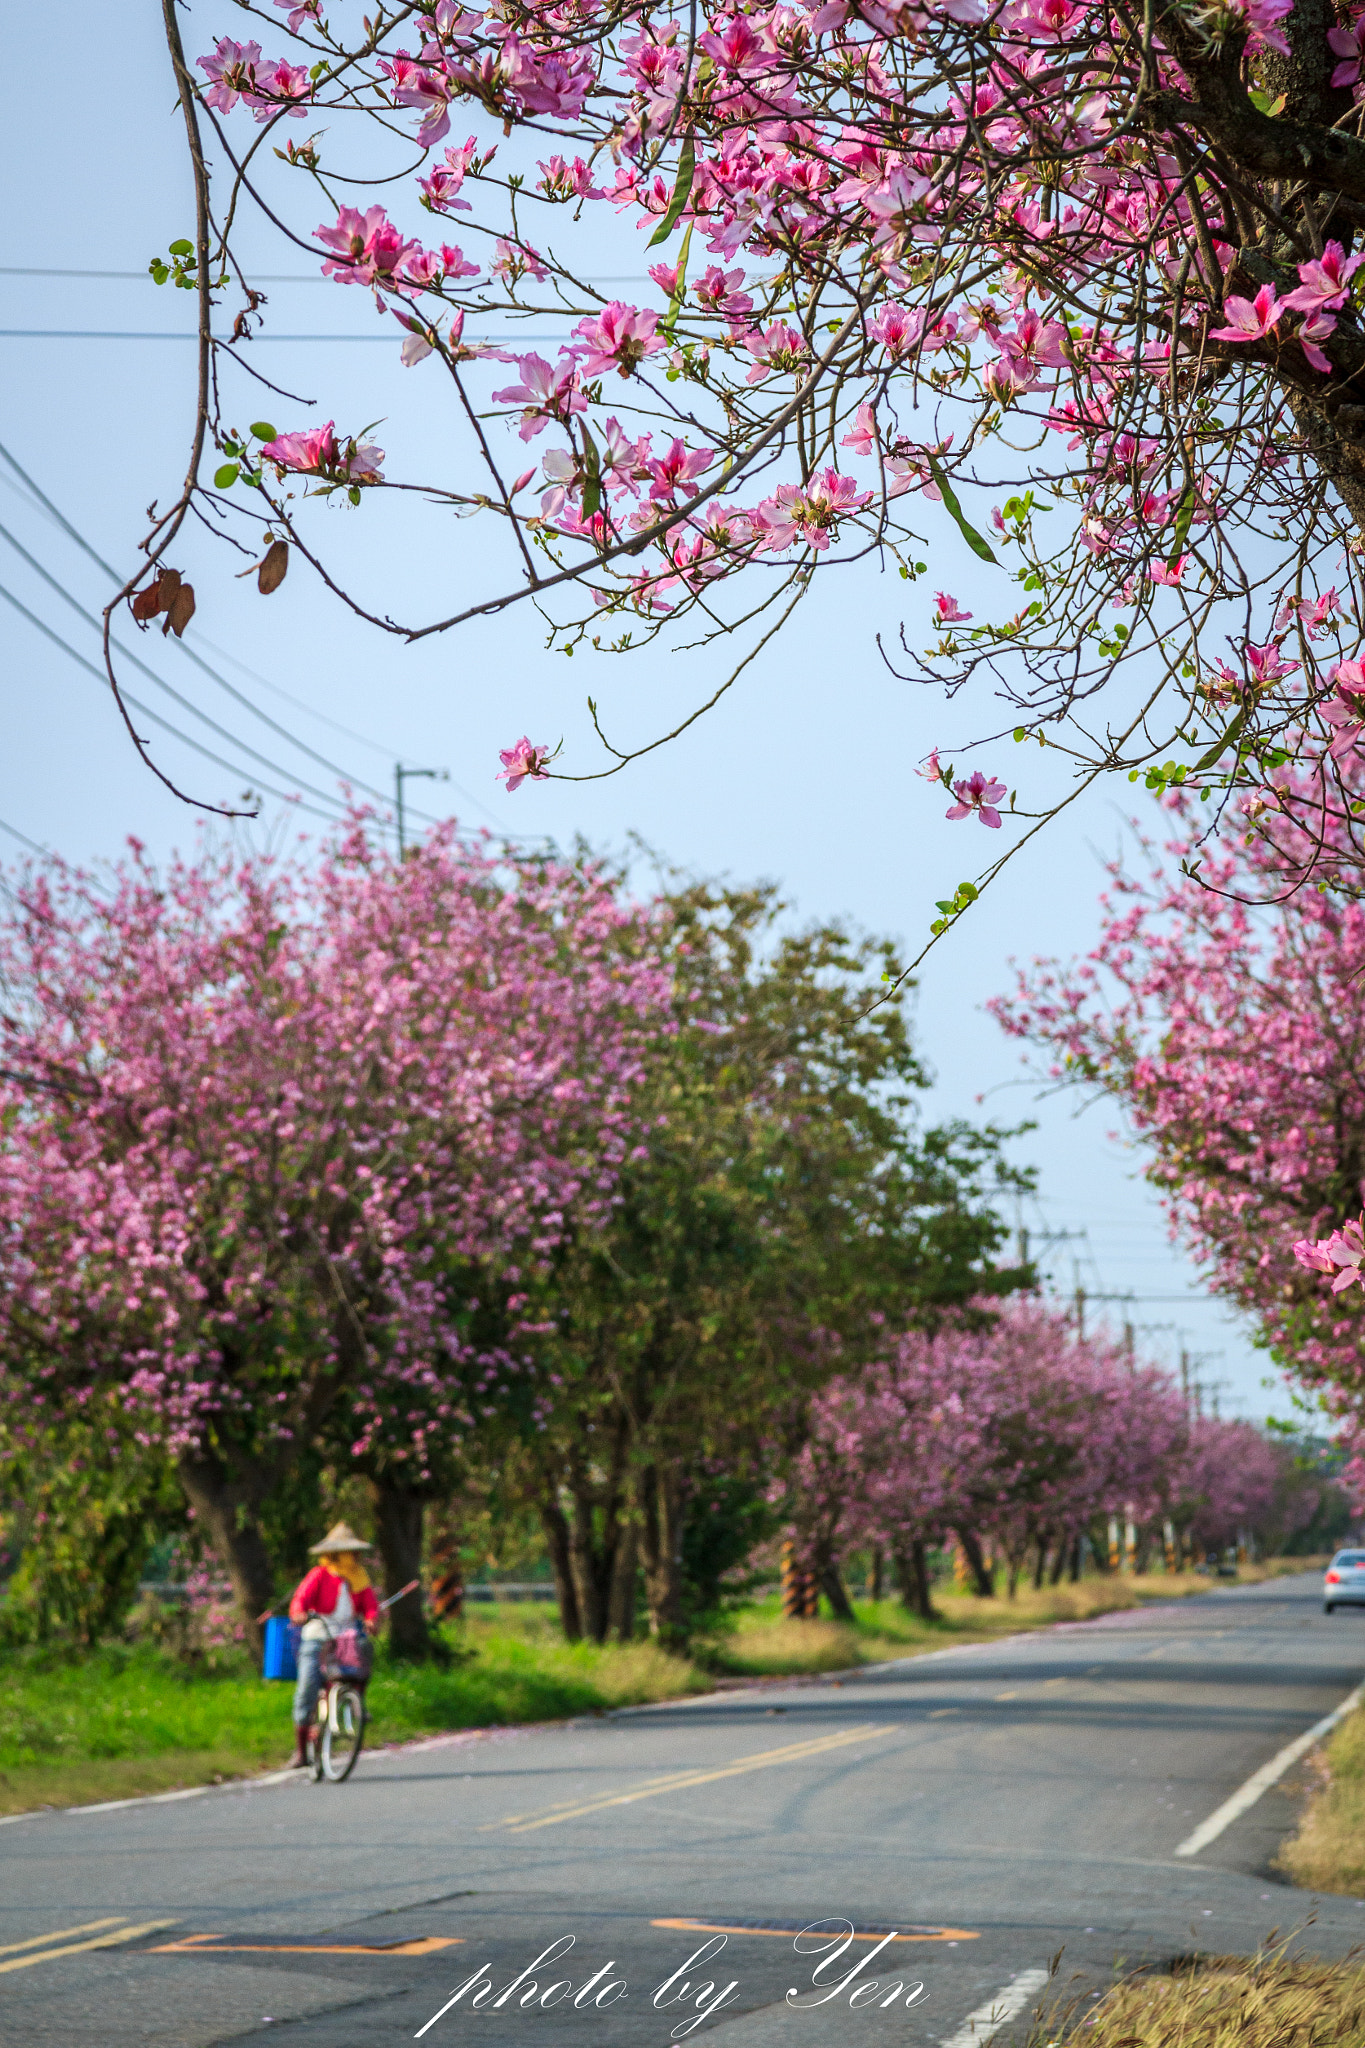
832,1586
912,1576
878,1585
1059,1562
226,1506
398,1512
983,1575
587,1567
1040,1564
1076,1554
661,1547
556,1526
624,1571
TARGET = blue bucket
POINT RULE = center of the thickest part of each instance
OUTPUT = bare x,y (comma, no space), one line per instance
281,1649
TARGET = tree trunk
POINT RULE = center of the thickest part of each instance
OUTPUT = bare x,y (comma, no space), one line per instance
555,1524
586,1565
624,1570
912,1575
1076,1555
1040,1564
981,1573
661,1544
1059,1562
398,1522
832,1586
877,1587
225,1506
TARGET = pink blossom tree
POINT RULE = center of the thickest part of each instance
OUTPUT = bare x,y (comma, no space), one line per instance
1075,281
1233,1037
1003,1425
254,1113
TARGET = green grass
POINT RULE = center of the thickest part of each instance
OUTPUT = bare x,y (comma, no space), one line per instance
77,1727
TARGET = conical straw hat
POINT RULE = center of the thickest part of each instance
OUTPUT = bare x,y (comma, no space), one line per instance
341,1536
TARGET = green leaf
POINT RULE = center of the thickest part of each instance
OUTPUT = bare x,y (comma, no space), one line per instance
159,271
1220,747
224,478
182,248
1182,527
682,192
263,431
675,304
975,541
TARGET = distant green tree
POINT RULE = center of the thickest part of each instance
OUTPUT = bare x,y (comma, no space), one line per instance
782,1198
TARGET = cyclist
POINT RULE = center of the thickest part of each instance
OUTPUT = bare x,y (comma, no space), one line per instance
336,1594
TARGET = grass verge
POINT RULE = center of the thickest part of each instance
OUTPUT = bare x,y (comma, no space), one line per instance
79,1727
1327,1854
1266,2001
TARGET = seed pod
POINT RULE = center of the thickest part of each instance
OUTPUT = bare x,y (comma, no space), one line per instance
273,568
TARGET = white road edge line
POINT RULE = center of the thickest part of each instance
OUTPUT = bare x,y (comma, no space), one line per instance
1261,1781
986,2022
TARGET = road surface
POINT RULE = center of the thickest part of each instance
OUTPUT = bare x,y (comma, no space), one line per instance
989,1804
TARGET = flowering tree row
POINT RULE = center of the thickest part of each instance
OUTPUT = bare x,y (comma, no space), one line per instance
1007,1428
1076,281
260,1122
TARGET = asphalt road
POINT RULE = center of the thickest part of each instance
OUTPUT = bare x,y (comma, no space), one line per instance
990,1804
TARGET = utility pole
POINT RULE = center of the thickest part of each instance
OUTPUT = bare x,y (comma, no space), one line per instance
402,775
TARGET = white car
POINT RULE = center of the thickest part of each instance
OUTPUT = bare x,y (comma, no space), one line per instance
1343,1582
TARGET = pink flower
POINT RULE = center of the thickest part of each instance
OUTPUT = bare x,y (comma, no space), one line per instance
317,452
933,769
1267,664
809,512
547,394
680,465
620,337
1345,713
1349,44
717,291
439,190
1325,281
778,347
947,611
1344,1249
1313,614
1168,572
980,794
522,763
369,248
1249,319
862,435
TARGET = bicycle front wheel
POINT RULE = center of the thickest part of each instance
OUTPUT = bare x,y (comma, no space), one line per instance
343,1733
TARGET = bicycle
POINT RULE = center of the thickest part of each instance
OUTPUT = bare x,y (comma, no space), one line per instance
338,1735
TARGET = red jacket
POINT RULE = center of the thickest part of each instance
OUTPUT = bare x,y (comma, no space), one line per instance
317,1594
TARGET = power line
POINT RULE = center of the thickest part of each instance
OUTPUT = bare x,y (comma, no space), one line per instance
150,334
22,837
145,710
81,542
185,703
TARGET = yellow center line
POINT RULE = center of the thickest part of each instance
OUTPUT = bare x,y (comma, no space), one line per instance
77,1948
1007,1695
667,1783
939,1713
790,1753
62,1934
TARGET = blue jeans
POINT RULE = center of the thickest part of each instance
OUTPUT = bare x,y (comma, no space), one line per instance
309,1682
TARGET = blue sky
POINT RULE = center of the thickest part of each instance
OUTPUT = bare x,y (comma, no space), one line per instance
804,773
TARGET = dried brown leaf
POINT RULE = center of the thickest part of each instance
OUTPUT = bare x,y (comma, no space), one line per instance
180,610
274,567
